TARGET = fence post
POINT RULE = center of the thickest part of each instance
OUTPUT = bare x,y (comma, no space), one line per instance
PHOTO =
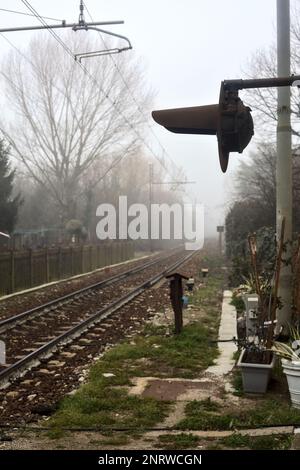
12,271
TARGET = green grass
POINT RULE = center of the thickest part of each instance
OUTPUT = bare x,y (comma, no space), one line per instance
184,355
272,442
116,440
179,441
154,352
55,433
104,403
264,412
210,292
99,405
237,383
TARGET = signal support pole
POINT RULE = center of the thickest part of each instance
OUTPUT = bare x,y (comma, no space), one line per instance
284,184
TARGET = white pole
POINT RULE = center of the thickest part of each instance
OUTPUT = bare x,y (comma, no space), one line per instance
284,159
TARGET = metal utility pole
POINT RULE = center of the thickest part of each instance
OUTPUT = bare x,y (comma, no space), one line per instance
284,184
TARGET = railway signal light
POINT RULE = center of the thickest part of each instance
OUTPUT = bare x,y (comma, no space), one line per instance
230,120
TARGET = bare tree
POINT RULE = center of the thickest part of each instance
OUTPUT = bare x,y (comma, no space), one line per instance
60,122
255,179
263,101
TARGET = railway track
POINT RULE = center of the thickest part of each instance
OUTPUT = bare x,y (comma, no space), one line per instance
45,308
62,321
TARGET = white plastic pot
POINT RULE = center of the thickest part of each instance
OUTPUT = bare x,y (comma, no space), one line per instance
292,372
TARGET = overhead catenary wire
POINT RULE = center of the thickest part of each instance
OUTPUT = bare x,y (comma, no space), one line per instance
71,54
133,97
53,33
30,14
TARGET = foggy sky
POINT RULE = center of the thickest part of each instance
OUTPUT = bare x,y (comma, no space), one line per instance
187,47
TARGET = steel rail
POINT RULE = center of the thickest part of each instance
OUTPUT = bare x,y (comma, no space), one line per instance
40,309
32,359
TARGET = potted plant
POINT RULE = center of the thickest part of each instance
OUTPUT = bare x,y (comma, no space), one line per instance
256,364
257,359
290,359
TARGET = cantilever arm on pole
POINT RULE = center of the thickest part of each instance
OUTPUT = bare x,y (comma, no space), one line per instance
116,50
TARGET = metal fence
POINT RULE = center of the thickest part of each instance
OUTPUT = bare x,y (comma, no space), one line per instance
25,269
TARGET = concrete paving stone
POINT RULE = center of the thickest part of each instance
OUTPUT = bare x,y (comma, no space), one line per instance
225,362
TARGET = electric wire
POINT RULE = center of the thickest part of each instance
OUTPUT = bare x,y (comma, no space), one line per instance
29,14
133,97
71,54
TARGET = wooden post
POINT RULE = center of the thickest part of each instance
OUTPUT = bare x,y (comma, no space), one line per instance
176,293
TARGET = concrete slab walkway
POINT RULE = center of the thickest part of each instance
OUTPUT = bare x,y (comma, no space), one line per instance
211,380
227,331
